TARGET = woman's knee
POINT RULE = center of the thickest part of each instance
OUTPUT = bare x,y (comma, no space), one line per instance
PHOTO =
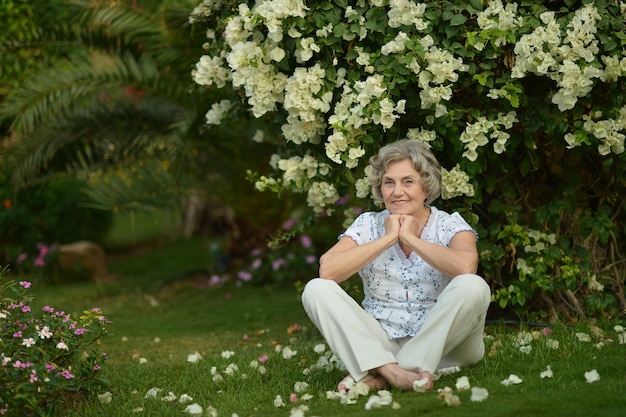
474,287
316,288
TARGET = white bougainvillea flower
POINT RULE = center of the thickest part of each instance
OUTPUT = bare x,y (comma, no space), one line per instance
169,398
300,387
194,409
448,397
278,401
463,384
320,348
185,399
420,385
547,373
143,361
592,376
152,392
298,411
479,394
288,353
512,380
227,354
105,397
583,337
382,398
194,357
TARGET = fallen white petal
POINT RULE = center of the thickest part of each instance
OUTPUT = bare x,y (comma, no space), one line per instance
185,399
512,380
278,401
592,376
194,357
547,373
152,392
194,409
105,397
463,383
419,385
479,394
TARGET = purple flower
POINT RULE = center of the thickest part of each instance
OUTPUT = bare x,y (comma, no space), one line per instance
311,259
21,258
25,284
244,276
50,367
48,309
66,374
256,264
26,309
306,241
81,331
289,224
278,263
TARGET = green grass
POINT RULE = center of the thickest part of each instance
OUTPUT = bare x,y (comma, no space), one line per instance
159,314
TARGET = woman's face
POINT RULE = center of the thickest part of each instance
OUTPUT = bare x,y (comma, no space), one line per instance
402,188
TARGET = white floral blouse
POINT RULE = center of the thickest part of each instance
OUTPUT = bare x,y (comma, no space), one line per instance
399,291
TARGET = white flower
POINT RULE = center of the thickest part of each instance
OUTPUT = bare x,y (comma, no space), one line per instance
512,380
547,373
194,409
227,354
62,345
45,333
143,361
185,399
463,383
278,401
152,392
28,342
376,401
420,385
320,348
170,397
231,369
300,386
105,397
592,376
194,357
618,328
479,394
583,337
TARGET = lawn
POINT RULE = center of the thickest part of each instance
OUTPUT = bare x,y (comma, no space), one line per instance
256,343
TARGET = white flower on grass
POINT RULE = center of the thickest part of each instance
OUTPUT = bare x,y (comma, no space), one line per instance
212,412
185,399
552,344
288,353
299,411
381,399
618,328
526,349
61,345
194,357
143,361
547,373
592,376
463,383
194,409
231,369
583,337
278,401
512,380
169,398
227,354
105,397
319,348
479,394
300,386
420,385
448,397
152,392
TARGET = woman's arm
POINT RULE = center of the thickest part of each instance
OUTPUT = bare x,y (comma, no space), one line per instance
347,257
461,257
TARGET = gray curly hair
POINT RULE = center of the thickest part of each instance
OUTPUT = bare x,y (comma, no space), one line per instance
424,162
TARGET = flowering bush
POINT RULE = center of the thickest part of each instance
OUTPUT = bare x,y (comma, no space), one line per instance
297,260
45,354
522,103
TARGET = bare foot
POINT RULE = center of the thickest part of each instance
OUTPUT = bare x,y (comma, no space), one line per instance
375,382
404,379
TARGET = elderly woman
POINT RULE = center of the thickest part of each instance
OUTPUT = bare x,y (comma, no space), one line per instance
424,307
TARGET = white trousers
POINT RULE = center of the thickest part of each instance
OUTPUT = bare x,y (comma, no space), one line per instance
452,334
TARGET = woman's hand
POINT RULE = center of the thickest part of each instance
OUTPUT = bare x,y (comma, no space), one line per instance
409,227
393,223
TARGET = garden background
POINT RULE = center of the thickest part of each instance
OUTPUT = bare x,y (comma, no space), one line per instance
152,128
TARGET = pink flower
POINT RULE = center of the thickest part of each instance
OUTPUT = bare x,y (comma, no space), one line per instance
80,331
278,263
17,334
21,258
263,358
50,367
48,309
547,331
33,376
244,276
66,374
293,397
39,262
306,241
311,259
256,264
289,224
246,337
25,284
96,367
26,309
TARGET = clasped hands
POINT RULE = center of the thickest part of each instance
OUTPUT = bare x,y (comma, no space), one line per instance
402,226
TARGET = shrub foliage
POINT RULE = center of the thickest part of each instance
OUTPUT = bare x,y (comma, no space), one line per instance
523,103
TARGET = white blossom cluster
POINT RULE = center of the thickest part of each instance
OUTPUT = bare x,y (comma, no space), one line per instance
475,134
217,112
407,13
498,16
455,183
204,9
608,131
565,59
296,169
